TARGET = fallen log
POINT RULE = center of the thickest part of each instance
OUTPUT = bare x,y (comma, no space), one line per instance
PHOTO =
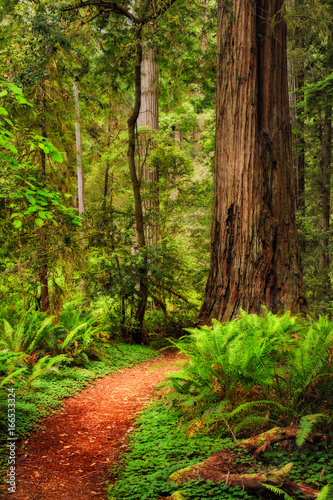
249,482
258,444
224,467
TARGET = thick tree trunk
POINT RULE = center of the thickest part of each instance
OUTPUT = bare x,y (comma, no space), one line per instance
326,173
148,118
136,185
255,259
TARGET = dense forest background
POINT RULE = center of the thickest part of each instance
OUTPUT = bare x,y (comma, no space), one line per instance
75,68
156,160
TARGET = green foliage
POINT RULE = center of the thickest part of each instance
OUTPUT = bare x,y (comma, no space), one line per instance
313,464
256,371
325,493
277,491
27,335
48,386
160,447
45,365
23,186
306,426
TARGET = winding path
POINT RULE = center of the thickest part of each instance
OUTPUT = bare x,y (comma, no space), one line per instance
69,456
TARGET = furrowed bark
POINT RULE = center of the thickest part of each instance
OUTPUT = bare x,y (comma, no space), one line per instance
78,143
254,259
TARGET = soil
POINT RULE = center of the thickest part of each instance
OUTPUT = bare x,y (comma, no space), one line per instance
69,456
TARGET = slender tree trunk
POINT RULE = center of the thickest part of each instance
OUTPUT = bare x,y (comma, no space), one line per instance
148,117
43,270
255,259
300,144
80,177
136,185
326,173
107,166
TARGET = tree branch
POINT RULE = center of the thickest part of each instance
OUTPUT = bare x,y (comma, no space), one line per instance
155,14
109,6
174,293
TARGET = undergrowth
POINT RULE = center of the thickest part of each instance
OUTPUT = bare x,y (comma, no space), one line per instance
157,449
256,372
162,445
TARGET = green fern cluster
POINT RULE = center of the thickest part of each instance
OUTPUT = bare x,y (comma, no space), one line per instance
256,371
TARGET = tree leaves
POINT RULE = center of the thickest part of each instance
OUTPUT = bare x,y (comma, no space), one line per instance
30,194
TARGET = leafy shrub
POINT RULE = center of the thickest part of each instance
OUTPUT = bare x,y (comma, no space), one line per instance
79,336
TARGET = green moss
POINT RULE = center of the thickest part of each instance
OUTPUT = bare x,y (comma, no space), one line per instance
183,474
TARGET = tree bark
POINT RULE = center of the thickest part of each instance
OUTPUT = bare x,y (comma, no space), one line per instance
326,173
80,175
300,144
43,270
136,185
255,258
78,142
221,466
148,118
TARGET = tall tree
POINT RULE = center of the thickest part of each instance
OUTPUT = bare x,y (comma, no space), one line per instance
254,259
325,132
148,118
43,270
78,142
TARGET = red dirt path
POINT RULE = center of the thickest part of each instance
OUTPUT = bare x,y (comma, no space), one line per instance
69,456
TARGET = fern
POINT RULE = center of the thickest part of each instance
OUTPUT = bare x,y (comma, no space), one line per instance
12,376
277,491
274,363
326,493
306,426
45,365
27,335
250,423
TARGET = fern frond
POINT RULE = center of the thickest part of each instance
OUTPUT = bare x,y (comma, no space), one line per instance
258,405
45,365
326,493
277,491
71,335
41,333
250,422
306,425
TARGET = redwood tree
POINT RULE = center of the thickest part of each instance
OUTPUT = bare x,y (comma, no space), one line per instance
255,259
148,118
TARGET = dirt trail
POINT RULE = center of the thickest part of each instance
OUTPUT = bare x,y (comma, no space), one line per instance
69,456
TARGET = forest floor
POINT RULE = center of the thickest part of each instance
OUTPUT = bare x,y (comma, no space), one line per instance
69,456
